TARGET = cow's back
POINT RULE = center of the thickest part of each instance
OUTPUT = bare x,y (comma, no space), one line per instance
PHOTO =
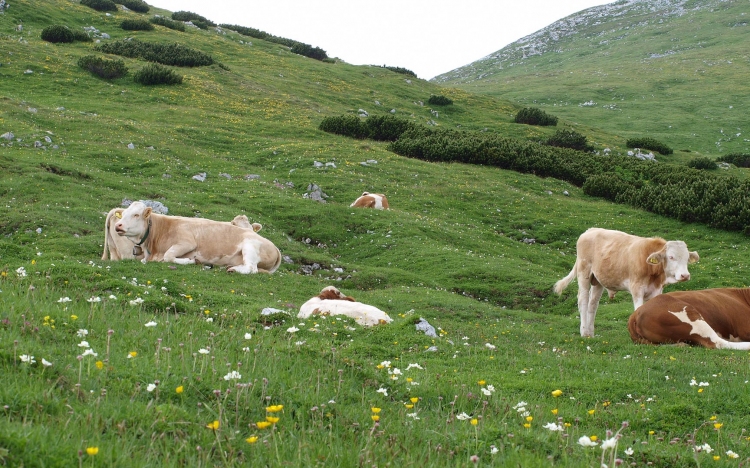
615,256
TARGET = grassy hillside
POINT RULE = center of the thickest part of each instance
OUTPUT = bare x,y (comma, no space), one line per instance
674,70
161,390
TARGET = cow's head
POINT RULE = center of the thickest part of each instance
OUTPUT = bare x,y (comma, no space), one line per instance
674,257
134,221
330,292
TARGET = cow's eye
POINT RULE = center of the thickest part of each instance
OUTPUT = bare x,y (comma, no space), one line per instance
671,257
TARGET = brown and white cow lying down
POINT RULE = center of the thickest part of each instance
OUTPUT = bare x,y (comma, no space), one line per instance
121,248
714,318
371,200
186,241
331,301
617,261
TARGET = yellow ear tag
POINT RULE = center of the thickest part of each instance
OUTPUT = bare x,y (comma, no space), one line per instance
653,260
118,214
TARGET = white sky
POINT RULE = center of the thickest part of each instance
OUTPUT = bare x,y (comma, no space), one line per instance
428,37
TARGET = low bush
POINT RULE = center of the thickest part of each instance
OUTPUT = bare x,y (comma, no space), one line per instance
168,23
649,144
103,68
401,70
738,159
566,138
192,17
535,116
100,5
379,128
702,162
167,54
155,74
136,25
136,5
258,34
57,34
81,36
439,100
309,51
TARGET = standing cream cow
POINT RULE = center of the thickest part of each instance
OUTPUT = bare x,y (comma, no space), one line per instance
617,261
185,241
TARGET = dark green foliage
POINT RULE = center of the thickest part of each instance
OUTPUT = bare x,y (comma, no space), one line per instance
81,36
309,51
103,68
155,74
703,162
403,71
168,23
167,54
57,34
566,138
258,34
649,144
380,128
100,5
136,25
738,159
439,100
192,17
136,5
535,116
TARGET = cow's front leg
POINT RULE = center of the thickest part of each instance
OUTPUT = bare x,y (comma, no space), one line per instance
176,253
595,295
584,285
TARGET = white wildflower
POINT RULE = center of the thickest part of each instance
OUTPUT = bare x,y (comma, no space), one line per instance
209,319
150,387
489,346
203,351
234,375
21,271
136,301
89,352
609,443
83,344
586,441
292,330
64,299
112,296
300,343
486,391
248,336
553,427
246,349
27,359
731,454
385,364
703,448
463,417
382,390
150,324
416,366
93,299
46,363
412,415
629,451
82,332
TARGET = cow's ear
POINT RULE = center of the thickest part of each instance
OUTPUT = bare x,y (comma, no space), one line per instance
147,212
694,257
257,227
118,214
655,258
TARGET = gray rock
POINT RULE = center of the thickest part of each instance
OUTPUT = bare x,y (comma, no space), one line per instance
48,139
131,146
529,241
315,193
363,113
424,326
431,349
271,311
225,175
252,177
565,192
200,177
287,259
317,164
309,269
8,136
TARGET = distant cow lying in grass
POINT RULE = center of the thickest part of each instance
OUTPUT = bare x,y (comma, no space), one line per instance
331,301
714,318
371,200
121,248
182,240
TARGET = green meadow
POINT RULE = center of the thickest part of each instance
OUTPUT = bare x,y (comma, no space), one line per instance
123,364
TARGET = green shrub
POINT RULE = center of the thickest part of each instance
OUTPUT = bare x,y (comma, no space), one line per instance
103,68
167,54
81,36
168,23
136,25
439,100
702,162
258,34
401,70
100,5
738,159
309,51
57,34
155,74
566,138
192,17
135,5
535,116
347,125
379,128
649,144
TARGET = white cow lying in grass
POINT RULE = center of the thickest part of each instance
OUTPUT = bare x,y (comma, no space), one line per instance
331,301
182,240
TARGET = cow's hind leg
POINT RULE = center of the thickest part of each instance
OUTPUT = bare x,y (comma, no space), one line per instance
595,295
584,285
250,259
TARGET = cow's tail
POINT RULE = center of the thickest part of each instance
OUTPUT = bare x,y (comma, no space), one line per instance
108,237
563,283
275,266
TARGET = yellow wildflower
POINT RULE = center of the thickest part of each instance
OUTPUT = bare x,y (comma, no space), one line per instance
557,393
375,417
593,438
481,382
179,389
274,408
375,410
99,365
92,451
272,419
214,425
414,399
718,425
529,418
554,411
527,425
592,411
262,424
474,422
252,439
